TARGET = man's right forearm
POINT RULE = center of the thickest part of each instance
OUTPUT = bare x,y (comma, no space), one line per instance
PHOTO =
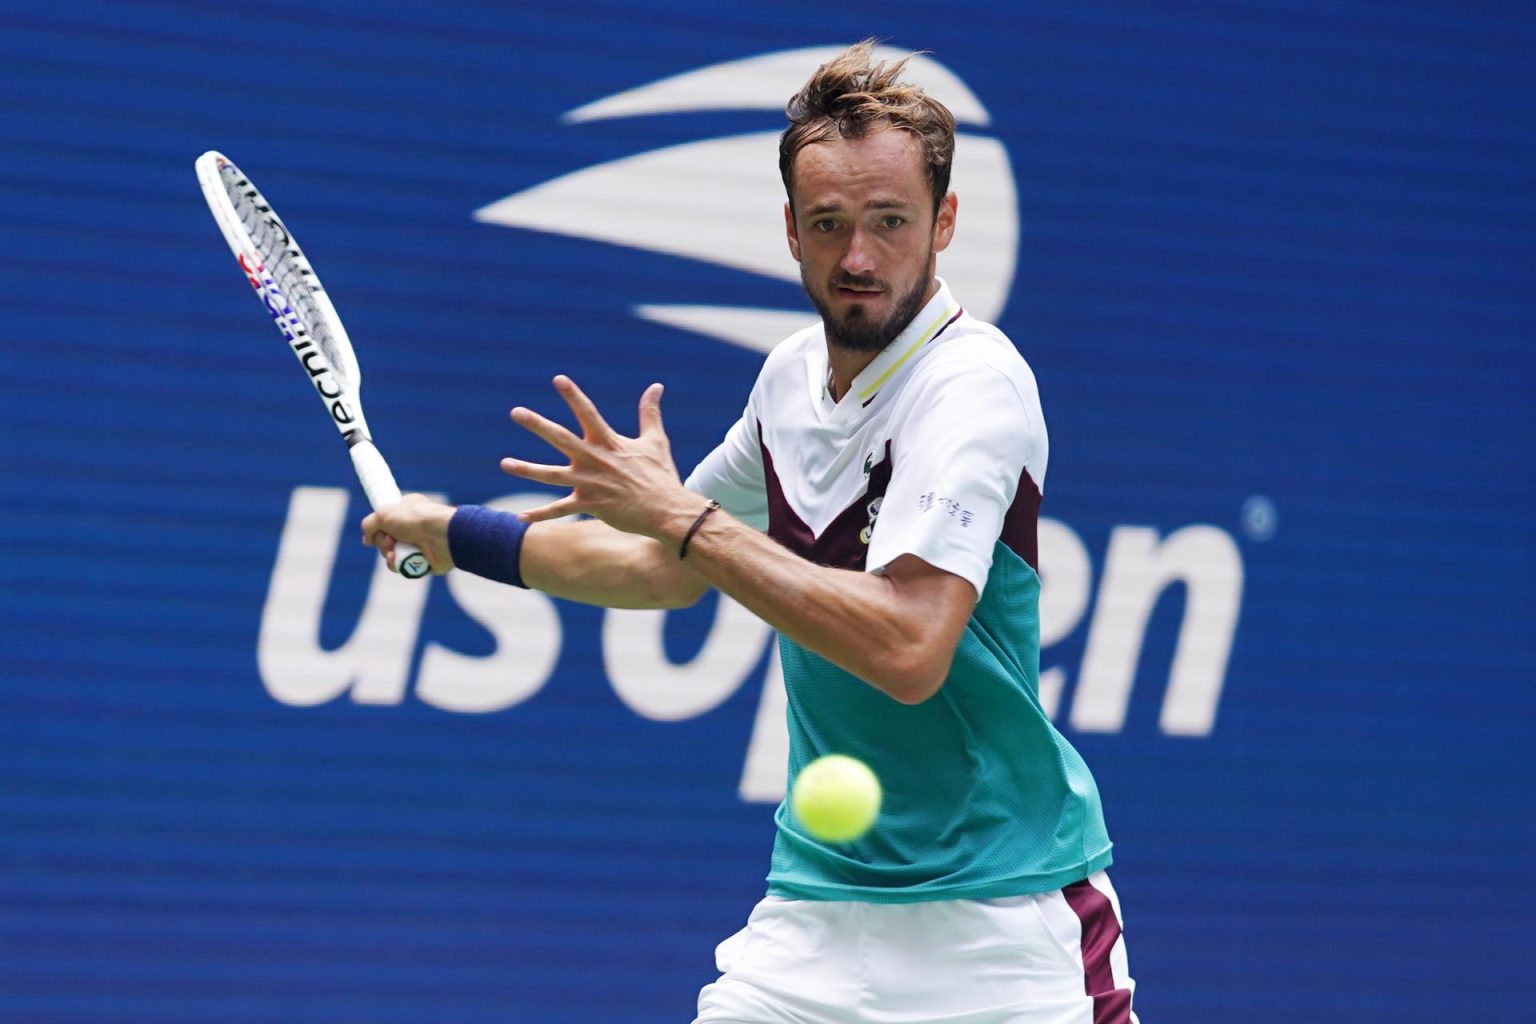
582,560
591,562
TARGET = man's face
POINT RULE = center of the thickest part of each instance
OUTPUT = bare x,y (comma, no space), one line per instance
863,230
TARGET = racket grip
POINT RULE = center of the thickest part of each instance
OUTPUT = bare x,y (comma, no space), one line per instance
380,487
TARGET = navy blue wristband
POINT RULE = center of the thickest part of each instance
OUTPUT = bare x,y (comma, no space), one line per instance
487,543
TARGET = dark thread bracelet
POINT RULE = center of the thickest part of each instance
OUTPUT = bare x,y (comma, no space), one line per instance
682,549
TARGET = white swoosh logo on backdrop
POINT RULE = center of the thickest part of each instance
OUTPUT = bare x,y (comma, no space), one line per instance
720,200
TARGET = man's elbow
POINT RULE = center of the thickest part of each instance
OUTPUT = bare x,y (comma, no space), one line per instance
910,677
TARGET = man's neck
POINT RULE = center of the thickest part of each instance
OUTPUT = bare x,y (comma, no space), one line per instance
843,365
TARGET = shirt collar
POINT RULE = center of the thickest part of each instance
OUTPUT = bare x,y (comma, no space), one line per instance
895,357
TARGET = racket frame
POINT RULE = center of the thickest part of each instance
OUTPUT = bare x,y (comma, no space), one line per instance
337,386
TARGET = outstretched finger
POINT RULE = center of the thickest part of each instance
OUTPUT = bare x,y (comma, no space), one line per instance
565,506
558,476
558,436
650,411
592,423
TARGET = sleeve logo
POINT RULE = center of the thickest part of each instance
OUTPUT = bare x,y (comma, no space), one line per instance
949,506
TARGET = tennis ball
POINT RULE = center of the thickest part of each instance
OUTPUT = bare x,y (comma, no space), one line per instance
836,798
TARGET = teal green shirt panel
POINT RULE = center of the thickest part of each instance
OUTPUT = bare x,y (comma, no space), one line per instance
983,797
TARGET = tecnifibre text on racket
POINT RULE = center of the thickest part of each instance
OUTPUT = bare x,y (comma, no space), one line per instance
286,284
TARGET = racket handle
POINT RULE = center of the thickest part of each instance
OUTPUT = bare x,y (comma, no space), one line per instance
379,484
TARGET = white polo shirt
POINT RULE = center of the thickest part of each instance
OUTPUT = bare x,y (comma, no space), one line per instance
938,450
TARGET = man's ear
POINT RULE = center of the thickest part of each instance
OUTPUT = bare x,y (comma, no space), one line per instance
791,233
944,222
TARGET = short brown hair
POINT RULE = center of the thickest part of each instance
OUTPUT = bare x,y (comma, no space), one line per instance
850,96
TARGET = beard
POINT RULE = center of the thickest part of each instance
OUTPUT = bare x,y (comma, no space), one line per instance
857,331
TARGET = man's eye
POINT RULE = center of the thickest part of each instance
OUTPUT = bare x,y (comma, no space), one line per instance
892,221
826,227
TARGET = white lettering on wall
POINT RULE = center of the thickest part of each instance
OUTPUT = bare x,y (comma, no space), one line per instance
373,665
655,687
765,773
1137,569
375,660
528,635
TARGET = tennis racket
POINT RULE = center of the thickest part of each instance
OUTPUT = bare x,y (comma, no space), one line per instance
287,286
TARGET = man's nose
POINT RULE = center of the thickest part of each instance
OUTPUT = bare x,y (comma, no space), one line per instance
858,258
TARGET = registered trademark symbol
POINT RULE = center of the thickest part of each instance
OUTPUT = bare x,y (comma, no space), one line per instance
1260,518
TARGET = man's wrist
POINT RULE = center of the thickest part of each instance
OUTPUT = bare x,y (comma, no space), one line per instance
488,543
698,522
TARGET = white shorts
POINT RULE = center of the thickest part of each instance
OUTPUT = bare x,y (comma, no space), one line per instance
1051,958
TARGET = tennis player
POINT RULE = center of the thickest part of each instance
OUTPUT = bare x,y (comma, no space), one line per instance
877,504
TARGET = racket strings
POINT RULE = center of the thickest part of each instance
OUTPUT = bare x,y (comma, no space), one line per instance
288,270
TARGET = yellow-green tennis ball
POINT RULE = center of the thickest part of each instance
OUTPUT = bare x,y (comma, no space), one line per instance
836,798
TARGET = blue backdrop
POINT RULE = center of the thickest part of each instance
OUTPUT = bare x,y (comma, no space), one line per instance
1271,263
